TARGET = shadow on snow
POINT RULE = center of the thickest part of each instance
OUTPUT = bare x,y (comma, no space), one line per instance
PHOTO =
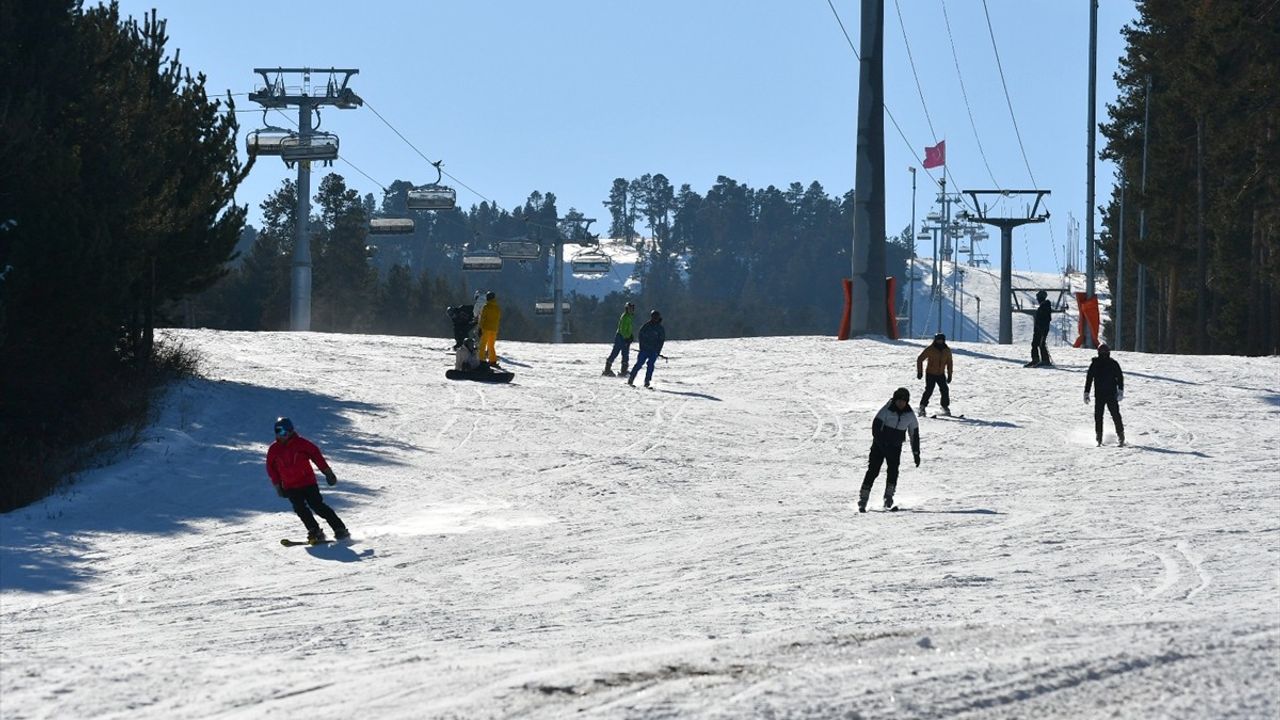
185,468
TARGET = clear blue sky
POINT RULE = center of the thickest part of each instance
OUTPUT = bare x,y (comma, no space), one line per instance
566,95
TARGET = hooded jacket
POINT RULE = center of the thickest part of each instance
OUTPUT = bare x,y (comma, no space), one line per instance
891,428
490,316
289,462
1044,315
626,326
1106,373
652,336
938,359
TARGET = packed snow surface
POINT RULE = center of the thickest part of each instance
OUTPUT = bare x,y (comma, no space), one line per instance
569,546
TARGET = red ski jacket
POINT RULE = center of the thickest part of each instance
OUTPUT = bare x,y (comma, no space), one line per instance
289,462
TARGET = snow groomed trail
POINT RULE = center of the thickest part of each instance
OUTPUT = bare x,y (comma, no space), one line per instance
568,546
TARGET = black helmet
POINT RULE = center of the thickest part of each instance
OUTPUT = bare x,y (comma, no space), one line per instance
1104,349
283,427
902,394
1041,295
939,336
655,315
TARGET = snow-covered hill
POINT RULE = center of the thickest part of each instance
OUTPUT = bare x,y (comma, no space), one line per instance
569,546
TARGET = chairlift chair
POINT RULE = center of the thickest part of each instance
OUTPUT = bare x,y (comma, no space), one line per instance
265,141
548,307
591,262
482,261
391,226
433,196
318,146
519,250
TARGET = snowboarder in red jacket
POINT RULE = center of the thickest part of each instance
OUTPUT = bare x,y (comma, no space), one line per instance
289,462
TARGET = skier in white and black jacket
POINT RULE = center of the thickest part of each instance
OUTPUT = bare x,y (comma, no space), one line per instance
889,430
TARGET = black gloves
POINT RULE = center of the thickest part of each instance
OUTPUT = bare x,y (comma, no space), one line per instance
330,478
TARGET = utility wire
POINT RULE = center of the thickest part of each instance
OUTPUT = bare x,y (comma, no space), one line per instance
965,94
911,148
1053,243
912,61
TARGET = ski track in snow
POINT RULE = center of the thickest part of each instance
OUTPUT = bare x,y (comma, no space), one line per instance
568,545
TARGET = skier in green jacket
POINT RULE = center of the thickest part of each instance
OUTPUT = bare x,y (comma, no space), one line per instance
622,340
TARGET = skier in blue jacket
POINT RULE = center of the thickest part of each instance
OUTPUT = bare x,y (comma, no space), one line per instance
652,336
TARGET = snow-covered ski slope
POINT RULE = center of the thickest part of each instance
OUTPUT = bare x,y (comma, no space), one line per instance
567,546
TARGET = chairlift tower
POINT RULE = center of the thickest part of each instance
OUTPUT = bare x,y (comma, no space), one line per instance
573,229
302,148
1006,225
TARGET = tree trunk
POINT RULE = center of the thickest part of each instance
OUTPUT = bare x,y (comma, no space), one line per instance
1171,312
1202,248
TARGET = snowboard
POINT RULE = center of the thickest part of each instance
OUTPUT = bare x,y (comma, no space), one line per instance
292,543
494,376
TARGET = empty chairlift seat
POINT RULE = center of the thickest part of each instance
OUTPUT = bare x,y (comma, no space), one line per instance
482,260
265,141
548,307
590,263
317,147
390,226
519,249
431,197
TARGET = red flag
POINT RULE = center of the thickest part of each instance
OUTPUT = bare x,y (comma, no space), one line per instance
936,155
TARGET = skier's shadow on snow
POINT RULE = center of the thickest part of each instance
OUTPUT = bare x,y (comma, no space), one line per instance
1167,451
339,553
977,421
704,396
972,511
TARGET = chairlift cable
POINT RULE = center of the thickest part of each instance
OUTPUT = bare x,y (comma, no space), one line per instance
1053,242
889,113
965,94
912,62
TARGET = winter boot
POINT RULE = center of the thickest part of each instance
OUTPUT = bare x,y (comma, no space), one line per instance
862,506
341,534
316,538
625,370
924,410
946,411
888,505
1121,441
608,371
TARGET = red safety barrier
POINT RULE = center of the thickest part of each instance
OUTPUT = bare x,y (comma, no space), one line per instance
890,294
1089,319
848,309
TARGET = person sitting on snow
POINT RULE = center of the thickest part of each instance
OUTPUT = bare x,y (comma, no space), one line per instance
467,360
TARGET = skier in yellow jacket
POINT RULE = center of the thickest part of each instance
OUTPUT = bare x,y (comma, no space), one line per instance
490,317
934,365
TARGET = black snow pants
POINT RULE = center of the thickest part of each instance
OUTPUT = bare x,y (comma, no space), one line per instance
307,499
1113,406
941,382
1039,350
879,455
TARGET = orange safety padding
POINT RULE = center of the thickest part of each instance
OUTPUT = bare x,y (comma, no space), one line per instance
1089,319
848,309
890,293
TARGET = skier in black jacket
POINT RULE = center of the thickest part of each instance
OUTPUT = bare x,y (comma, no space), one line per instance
1044,315
463,320
1108,391
893,424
